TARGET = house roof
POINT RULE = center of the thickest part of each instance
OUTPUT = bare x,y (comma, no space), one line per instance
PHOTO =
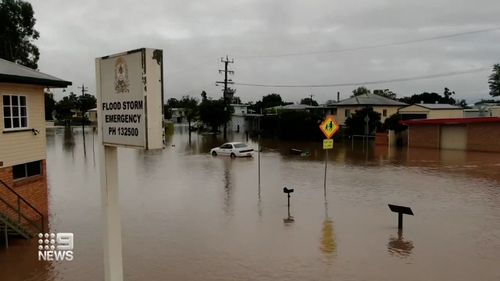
13,73
451,121
438,106
296,107
369,99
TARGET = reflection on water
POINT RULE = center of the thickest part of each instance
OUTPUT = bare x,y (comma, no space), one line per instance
69,139
328,244
190,216
400,247
228,189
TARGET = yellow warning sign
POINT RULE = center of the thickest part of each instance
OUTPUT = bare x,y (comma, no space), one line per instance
329,126
328,144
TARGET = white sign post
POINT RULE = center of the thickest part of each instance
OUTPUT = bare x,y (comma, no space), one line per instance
130,114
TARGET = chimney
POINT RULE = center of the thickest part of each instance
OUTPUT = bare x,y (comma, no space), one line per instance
338,96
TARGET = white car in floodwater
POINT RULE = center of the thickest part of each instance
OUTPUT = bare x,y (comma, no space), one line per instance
233,149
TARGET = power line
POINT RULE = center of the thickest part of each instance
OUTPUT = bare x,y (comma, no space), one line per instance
374,46
404,79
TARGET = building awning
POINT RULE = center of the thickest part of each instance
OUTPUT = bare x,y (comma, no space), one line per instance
450,121
13,73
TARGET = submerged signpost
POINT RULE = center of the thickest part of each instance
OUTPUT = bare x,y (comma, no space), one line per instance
130,114
329,127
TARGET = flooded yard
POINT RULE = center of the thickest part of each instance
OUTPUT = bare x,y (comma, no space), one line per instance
189,216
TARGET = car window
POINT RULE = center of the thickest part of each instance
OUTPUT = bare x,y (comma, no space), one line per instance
239,145
226,146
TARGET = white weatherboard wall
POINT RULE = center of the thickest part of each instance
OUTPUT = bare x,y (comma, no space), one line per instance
130,99
17,147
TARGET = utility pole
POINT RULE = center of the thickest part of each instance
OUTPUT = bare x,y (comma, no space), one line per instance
311,101
227,92
84,90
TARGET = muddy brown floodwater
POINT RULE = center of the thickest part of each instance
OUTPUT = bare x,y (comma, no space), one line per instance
189,216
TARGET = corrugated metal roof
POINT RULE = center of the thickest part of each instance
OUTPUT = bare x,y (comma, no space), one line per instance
451,121
438,106
369,99
13,73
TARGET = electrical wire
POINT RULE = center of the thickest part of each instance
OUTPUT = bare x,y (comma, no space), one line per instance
375,46
404,79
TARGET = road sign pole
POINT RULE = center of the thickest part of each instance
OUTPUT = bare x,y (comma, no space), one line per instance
326,165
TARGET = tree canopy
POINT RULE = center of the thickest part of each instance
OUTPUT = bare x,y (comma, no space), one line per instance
50,105
213,113
17,33
63,107
494,81
309,101
356,123
385,93
267,101
360,91
426,97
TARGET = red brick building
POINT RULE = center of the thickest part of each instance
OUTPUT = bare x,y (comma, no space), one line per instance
474,134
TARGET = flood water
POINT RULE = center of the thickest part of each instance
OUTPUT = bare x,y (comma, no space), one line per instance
189,216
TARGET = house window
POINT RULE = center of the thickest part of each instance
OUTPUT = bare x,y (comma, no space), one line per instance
15,112
334,111
384,112
27,170
347,113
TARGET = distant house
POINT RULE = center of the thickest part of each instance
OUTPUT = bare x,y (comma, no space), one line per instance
22,137
324,110
483,110
430,111
91,115
239,118
179,115
385,106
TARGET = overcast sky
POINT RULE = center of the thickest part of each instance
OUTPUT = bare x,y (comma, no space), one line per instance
194,35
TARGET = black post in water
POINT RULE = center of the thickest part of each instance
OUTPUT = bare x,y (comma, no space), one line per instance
400,210
288,191
326,165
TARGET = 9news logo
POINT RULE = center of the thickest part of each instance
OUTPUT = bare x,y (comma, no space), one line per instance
55,246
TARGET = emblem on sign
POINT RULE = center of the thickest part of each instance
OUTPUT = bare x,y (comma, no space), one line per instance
329,126
121,76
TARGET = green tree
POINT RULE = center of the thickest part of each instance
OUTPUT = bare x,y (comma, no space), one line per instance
173,103
426,97
50,105
385,93
360,91
494,81
191,109
17,33
86,102
267,101
393,122
309,101
65,106
356,123
213,113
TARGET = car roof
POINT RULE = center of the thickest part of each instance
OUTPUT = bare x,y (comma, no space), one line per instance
235,142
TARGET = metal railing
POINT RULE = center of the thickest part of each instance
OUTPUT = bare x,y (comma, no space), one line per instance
18,211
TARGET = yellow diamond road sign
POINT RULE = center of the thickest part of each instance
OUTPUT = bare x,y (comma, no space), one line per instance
329,126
